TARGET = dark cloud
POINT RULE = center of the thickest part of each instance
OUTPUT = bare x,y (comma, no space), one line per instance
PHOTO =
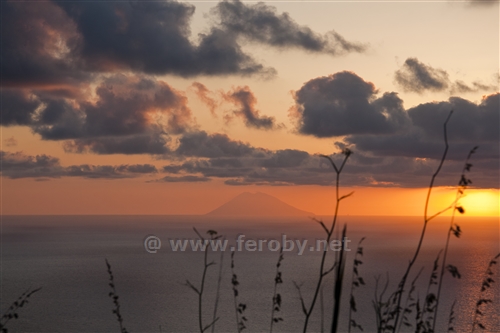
108,171
288,158
470,122
19,162
483,3
63,45
406,157
422,143
128,114
18,107
39,44
399,142
153,38
342,104
415,76
153,143
418,77
19,165
124,105
245,100
262,23
476,86
183,179
202,144
362,169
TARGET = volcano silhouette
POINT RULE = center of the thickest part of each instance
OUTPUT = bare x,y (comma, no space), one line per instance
257,204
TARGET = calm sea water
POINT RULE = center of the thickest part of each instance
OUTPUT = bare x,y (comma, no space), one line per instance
65,256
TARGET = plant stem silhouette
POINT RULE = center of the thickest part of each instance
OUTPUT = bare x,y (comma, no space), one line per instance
487,281
115,297
12,311
239,308
217,294
339,279
322,273
455,229
200,291
427,218
277,296
356,281
451,318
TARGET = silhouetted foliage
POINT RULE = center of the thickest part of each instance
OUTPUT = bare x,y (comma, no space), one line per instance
483,301
12,311
277,296
356,282
114,296
238,307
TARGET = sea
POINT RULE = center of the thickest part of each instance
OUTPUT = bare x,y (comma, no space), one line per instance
65,256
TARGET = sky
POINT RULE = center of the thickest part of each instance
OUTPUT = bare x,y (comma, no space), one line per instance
165,107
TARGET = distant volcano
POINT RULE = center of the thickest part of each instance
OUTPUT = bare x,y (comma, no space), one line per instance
257,204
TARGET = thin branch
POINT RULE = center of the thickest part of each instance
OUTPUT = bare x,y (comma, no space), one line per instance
426,220
320,223
460,193
217,294
331,269
309,311
211,324
189,284
199,235
301,298
331,161
346,196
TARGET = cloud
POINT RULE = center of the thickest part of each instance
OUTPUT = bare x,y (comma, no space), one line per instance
122,105
204,95
109,171
342,104
154,142
10,142
128,114
415,76
245,100
405,157
18,107
202,144
400,142
362,169
61,46
261,23
422,143
476,86
476,122
39,43
482,3
154,38
19,165
183,179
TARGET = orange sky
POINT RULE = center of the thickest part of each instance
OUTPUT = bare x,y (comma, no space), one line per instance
134,196
466,58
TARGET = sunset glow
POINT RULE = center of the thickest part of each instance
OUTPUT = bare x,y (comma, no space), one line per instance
232,112
240,166
482,203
